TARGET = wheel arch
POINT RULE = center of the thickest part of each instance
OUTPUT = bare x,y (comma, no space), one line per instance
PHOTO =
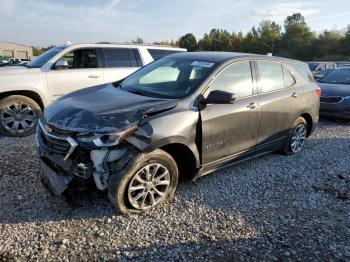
28,93
309,123
184,153
184,158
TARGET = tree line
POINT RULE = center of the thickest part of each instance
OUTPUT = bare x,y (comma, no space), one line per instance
296,41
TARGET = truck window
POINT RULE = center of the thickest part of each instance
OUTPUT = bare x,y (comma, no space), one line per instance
117,57
159,53
81,58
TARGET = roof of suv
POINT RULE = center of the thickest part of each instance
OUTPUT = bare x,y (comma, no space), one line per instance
220,57
131,45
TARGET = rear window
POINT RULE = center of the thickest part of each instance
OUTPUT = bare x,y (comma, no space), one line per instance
159,53
304,70
117,57
271,76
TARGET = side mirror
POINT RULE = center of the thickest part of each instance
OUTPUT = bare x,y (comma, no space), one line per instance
219,97
61,64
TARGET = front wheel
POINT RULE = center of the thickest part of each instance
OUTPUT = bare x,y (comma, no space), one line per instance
149,180
297,137
18,116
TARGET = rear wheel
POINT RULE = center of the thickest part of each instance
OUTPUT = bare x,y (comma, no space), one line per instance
297,137
149,180
18,116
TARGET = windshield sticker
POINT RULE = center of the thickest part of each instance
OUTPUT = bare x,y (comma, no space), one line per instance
202,64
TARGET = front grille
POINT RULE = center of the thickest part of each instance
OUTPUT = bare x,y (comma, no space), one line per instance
57,144
331,99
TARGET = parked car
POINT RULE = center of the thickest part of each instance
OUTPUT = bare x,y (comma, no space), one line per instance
13,62
26,91
341,64
184,115
319,66
320,74
335,99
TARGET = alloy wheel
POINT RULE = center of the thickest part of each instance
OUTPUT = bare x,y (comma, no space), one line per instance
298,138
18,117
149,186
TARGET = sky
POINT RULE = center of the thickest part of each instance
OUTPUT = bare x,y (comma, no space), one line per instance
45,22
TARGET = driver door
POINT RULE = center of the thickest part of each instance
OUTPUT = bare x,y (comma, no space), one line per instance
230,129
83,71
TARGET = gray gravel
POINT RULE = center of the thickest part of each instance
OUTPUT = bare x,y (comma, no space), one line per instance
270,208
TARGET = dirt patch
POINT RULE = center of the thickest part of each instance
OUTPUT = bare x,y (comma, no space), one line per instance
337,186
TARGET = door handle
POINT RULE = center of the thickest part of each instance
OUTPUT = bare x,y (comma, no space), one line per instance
253,105
94,76
295,95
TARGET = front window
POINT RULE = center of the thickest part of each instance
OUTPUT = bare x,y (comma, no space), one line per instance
43,58
341,77
168,78
235,79
81,58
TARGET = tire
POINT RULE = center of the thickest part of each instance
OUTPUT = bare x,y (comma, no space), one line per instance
18,116
122,185
299,127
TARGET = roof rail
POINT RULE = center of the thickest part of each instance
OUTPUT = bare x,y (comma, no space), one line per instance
128,43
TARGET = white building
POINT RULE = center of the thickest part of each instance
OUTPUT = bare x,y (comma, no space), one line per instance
9,49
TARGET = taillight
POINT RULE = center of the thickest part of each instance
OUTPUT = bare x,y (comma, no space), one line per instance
318,91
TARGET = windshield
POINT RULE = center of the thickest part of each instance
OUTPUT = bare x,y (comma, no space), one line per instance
337,77
313,66
43,58
168,77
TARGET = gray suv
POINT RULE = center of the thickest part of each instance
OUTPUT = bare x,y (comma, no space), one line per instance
184,115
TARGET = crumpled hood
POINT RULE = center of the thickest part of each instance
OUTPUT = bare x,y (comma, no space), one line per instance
334,90
102,109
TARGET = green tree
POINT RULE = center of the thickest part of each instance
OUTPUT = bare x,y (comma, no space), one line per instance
298,39
205,44
269,34
346,43
329,44
189,42
138,40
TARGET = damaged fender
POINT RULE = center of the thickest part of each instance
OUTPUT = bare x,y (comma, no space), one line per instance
100,158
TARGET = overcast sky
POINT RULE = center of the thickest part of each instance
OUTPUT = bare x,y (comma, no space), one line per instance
44,22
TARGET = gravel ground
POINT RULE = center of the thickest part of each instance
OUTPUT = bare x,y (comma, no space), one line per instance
271,208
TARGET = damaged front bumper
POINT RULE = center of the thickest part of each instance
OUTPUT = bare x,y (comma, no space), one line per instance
58,170
57,183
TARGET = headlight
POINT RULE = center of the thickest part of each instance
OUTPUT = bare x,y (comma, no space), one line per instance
347,97
106,140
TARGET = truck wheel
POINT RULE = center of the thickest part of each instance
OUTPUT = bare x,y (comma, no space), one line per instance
148,180
18,116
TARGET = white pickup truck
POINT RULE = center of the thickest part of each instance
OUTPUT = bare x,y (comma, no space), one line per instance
26,90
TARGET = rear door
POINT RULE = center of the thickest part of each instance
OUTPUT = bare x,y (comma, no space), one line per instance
278,98
118,63
84,70
230,129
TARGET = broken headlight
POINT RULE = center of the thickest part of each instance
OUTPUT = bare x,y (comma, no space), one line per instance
106,140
